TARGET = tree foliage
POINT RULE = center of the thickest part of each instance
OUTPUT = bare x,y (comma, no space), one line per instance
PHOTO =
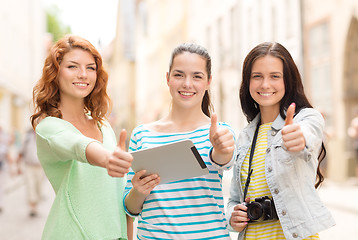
55,26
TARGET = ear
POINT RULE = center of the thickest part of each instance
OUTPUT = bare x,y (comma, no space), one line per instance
209,82
167,77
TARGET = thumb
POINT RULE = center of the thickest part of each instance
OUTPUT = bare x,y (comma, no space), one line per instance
122,140
289,114
214,123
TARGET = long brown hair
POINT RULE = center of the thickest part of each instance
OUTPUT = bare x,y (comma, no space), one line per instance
206,105
46,94
294,91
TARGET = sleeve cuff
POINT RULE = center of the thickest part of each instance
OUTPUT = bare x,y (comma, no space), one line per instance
226,166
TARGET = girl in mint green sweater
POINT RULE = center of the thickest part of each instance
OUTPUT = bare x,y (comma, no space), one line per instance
77,147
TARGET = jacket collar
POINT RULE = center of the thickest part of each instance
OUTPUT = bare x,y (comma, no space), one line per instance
277,125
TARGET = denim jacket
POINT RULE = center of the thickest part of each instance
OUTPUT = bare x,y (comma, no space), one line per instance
290,176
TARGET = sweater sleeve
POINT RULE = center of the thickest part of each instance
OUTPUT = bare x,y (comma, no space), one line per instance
62,139
132,148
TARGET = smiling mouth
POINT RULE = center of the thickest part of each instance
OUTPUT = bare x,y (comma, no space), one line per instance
265,94
186,93
81,84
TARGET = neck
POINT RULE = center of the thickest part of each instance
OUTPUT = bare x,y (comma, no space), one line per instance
187,118
72,111
268,115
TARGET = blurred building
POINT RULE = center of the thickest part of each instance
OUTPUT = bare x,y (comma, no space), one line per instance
331,63
321,36
148,30
146,33
22,28
230,29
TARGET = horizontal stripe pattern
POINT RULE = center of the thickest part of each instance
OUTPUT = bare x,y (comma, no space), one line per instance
258,188
187,209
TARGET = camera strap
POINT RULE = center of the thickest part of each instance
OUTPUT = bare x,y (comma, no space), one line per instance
253,144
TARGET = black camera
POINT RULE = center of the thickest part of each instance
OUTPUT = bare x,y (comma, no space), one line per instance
262,209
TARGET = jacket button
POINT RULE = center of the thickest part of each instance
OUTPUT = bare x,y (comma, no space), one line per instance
276,191
273,133
269,169
283,212
295,235
268,150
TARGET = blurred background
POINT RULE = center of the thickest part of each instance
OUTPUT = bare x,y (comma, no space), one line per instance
136,37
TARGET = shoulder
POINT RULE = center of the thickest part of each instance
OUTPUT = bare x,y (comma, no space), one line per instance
105,125
51,125
309,113
226,125
138,130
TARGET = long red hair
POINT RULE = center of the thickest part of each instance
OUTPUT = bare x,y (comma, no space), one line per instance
46,94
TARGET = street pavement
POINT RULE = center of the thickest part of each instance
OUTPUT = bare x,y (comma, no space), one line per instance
15,223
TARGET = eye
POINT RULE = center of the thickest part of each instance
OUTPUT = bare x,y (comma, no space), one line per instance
198,77
276,76
178,75
91,68
71,66
256,76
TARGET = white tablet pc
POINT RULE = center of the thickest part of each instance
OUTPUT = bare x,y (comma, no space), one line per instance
172,162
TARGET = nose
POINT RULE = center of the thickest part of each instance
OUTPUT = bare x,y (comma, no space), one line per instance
82,73
187,82
265,82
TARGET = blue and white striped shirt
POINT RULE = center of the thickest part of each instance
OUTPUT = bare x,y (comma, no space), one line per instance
187,209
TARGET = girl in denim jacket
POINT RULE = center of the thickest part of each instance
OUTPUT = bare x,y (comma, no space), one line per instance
285,156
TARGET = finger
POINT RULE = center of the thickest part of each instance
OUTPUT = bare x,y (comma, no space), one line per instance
240,207
214,121
289,114
140,174
120,156
122,140
239,219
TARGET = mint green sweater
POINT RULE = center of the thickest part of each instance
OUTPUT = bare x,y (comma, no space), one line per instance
88,203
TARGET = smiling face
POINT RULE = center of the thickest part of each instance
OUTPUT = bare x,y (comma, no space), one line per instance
77,74
188,80
267,86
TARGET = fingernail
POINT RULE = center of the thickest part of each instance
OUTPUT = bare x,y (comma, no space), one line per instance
293,104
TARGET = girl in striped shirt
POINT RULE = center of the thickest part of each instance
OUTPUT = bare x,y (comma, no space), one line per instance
191,208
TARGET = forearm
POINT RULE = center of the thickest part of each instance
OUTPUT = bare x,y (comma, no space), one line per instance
129,227
220,159
134,202
97,155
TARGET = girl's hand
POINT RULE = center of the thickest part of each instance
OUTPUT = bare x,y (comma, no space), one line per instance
292,136
143,184
222,140
239,219
120,160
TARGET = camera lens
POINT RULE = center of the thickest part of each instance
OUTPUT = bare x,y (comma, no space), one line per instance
255,211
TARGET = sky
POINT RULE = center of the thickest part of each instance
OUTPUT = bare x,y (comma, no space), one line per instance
93,20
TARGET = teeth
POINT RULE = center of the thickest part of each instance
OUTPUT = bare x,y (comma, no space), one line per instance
265,94
186,93
81,84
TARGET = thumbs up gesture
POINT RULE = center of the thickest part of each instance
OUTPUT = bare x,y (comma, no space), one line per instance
120,160
222,140
292,136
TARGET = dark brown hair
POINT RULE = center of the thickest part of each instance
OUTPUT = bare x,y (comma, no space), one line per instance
294,91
